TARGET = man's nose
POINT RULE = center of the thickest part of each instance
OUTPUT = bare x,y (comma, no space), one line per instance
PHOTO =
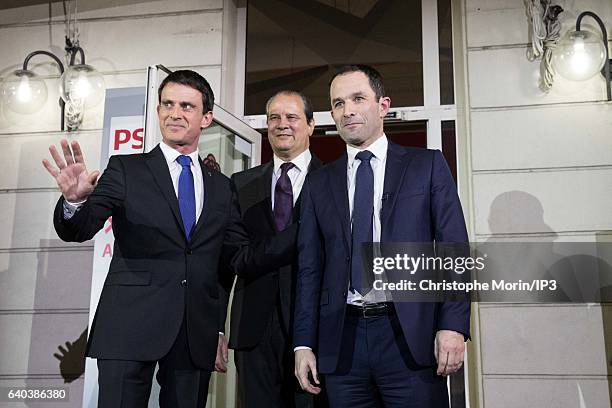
176,112
283,123
348,109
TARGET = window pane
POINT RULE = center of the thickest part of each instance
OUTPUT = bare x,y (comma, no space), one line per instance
449,145
297,44
224,147
445,42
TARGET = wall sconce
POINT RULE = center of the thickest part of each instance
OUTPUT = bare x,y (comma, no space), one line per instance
581,54
80,87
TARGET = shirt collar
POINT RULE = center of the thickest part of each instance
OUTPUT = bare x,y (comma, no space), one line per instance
171,154
301,162
378,148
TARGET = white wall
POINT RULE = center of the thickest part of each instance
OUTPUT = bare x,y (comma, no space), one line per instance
45,283
540,165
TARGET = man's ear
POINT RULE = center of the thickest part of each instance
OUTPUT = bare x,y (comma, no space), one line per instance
311,127
206,120
384,104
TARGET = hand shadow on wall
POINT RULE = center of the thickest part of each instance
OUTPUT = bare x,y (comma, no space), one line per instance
72,358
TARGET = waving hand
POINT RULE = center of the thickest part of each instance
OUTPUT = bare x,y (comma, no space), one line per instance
71,175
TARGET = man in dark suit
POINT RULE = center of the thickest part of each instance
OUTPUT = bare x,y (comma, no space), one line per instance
262,309
162,302
373,349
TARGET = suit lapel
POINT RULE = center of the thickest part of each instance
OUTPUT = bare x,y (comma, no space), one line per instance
338,186
315,163
395,169
265,186
208,187
159,169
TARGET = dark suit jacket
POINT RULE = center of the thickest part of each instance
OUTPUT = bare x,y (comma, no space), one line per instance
258,290
420,205
143,300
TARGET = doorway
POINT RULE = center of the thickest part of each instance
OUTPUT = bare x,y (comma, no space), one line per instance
326,144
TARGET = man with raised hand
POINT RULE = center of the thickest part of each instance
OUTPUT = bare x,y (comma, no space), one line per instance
162,302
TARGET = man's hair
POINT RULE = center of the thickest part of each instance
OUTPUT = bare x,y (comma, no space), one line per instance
193,80
305,100
374,77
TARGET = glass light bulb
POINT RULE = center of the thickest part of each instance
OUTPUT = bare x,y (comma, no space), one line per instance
579,55
82,85
23,92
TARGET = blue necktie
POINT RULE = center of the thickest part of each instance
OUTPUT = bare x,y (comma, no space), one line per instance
186,194
363,211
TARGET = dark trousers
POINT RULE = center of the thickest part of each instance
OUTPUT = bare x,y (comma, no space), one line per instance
127,384
265,372
376,369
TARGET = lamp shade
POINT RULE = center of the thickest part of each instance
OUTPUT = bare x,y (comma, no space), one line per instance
579,55
82,84
23,92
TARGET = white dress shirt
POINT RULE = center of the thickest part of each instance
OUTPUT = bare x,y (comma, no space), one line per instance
297,174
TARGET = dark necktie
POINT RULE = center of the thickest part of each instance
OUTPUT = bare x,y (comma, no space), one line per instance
363,210
283,198
186,194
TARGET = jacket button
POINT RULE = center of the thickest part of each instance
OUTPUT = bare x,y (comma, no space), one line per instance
184,282
348,258
188,251
344,294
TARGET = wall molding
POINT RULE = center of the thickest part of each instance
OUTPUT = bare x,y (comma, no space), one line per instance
506,305
493,47
5,312
553,169
547,234
29,190
37,377
133,71
68,248
538,106
112,18
548,376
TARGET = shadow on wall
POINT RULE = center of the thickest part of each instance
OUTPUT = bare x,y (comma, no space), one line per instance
72,358
59,287
530,249
518,212
59,322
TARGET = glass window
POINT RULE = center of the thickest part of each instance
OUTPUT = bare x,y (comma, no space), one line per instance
449,145
445,46
297,44
230,151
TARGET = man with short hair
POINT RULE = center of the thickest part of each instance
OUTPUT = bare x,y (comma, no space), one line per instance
162,302
374,351
262,309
